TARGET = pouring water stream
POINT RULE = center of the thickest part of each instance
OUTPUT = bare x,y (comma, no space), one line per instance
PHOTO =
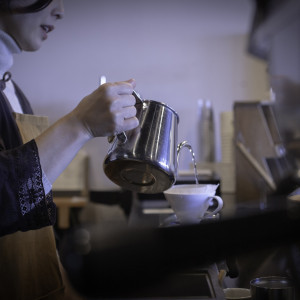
185,144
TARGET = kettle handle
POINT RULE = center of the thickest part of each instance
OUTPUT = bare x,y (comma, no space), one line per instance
137,97
122,137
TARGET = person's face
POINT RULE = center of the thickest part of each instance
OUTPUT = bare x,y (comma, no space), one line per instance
30,29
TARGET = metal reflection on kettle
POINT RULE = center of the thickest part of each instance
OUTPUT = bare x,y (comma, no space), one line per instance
145,159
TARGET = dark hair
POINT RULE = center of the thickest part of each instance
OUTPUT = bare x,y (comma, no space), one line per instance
36,6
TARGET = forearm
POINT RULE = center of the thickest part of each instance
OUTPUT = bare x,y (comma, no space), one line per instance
59,144
106,111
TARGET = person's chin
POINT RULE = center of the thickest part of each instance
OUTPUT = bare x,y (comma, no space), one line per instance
32,47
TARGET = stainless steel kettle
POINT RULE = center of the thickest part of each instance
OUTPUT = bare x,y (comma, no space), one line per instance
145,159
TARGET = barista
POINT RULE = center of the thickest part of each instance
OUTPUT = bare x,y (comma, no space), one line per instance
31,161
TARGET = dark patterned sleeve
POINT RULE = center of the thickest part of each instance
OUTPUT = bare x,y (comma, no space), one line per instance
23,203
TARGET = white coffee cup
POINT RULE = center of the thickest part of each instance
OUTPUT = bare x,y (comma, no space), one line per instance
191,202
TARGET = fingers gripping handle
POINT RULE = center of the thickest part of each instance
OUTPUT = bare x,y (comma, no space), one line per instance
122,137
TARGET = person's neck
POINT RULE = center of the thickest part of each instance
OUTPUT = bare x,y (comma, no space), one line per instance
8,47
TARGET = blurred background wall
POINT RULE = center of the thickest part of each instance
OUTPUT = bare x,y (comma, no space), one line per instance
178,52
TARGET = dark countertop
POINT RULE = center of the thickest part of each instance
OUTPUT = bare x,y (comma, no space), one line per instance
143,253
253,229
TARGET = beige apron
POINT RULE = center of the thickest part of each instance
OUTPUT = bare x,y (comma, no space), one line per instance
29,267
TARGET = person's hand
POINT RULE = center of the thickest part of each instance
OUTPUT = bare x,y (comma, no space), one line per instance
109,109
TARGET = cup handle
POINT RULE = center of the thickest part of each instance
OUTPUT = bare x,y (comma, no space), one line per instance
218,208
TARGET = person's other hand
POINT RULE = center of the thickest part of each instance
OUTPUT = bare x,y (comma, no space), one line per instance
109,109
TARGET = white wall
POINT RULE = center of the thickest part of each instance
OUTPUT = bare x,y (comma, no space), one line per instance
178,51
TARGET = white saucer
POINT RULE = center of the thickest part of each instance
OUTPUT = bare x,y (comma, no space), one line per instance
172,220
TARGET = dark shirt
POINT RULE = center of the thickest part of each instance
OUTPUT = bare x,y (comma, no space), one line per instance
23,203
